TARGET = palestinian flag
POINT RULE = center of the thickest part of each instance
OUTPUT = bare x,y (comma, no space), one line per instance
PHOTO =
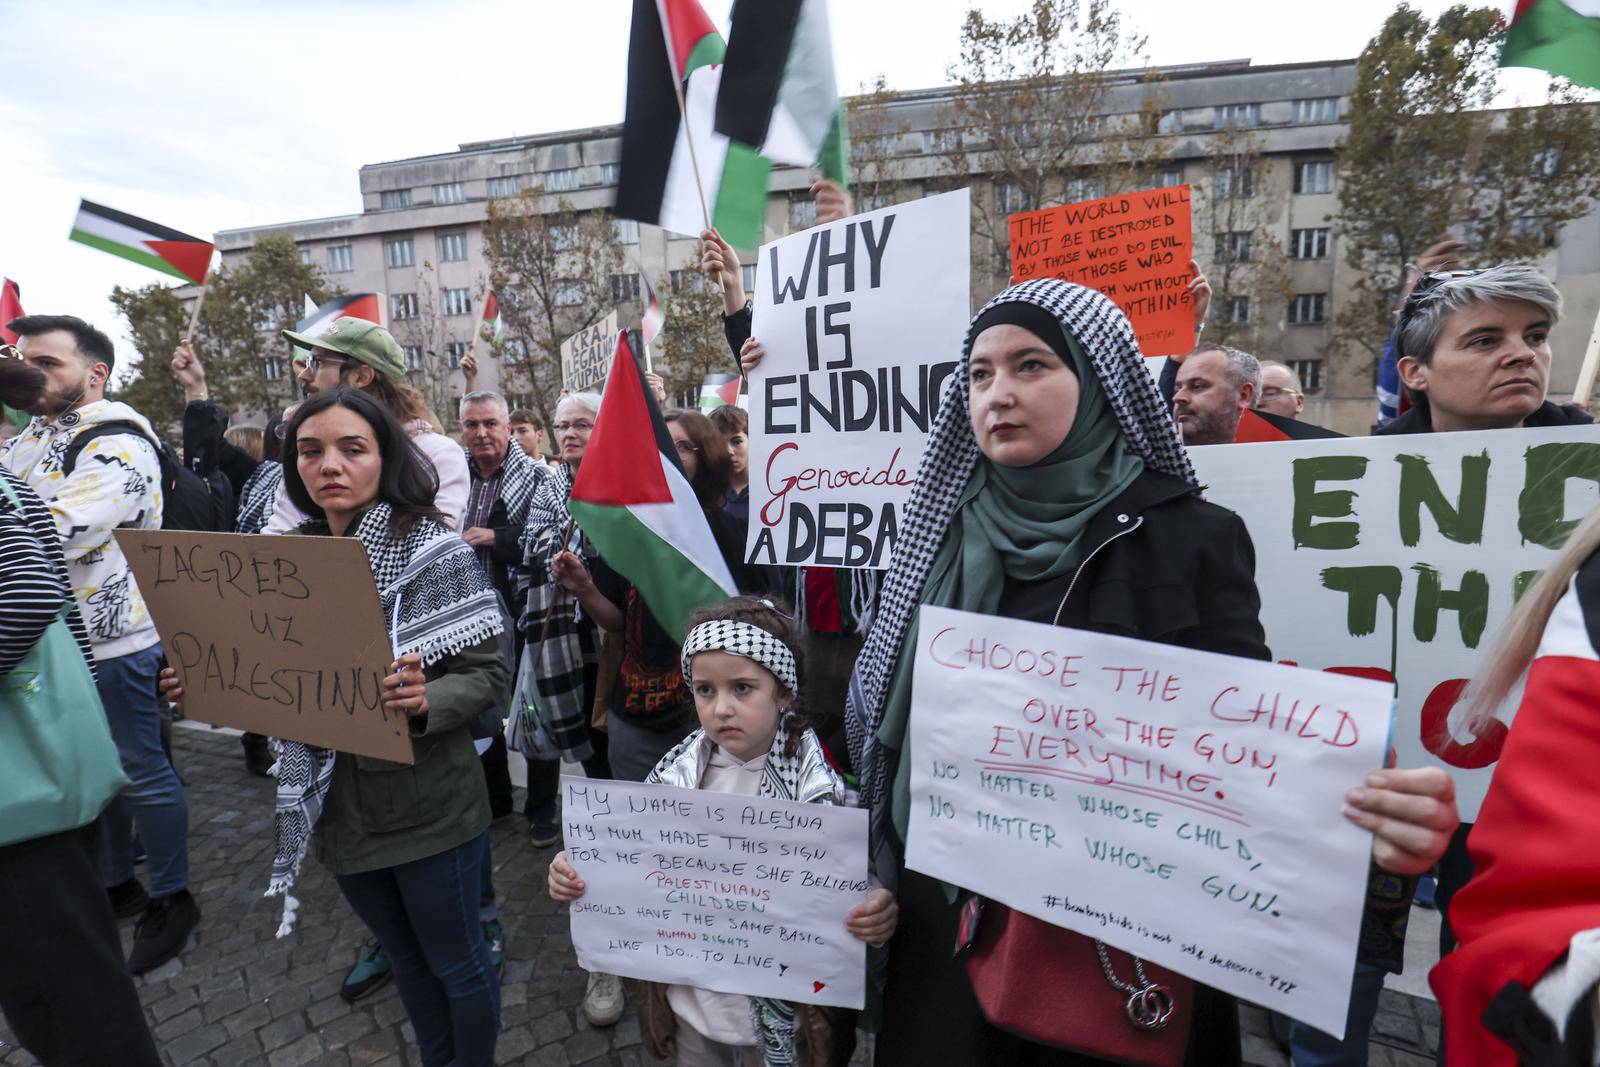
653,319
10,308
1255,426
492,317
719,390
367,306
672,42
632,500
778,90
1559,36
157,247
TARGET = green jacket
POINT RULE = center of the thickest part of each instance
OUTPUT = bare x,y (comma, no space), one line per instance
382,814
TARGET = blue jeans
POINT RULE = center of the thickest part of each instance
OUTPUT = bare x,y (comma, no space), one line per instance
488,910
154,800
425,914
1310,1047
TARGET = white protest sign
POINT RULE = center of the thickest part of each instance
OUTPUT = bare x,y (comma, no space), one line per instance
862,321
726,892
1399,558
1180,805
586,355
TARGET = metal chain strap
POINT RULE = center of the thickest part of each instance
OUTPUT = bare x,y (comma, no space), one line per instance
1150,1004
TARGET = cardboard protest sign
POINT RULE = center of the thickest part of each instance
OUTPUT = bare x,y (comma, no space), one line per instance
1183,806
1134,248
586,355
862,321
280,636
726,892
1399,557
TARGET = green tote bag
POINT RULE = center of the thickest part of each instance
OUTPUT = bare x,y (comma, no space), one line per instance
58,765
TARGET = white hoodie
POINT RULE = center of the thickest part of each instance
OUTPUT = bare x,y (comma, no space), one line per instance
448,461
116,484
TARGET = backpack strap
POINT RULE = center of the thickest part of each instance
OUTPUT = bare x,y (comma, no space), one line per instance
110,428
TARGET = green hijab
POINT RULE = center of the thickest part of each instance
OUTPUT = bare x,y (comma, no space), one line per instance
1025,524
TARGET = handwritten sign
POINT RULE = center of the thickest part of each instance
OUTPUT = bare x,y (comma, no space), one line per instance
280,636
1399,557
1180,805
862,321
732,893
1133,248
586,355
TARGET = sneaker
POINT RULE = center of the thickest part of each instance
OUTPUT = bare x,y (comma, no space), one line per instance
257,755
603,1001
495,936
128,899
163,930
545,830
371,971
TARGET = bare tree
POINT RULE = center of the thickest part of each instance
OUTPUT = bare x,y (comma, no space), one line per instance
1243,257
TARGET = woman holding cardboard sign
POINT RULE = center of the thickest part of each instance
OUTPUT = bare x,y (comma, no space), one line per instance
1055,489
404,841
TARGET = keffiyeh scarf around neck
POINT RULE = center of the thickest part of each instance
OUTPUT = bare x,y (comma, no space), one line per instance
521,475
436,601
947,467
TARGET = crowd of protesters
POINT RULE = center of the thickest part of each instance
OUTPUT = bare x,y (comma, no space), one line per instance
1056,480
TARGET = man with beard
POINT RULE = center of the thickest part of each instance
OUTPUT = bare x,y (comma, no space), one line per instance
113,483
1216,386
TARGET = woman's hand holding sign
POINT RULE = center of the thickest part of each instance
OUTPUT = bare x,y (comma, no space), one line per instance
406,690
874,919
1411,813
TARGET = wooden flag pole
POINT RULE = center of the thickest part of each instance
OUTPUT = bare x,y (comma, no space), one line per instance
200,302
477,326
1591,365
688,135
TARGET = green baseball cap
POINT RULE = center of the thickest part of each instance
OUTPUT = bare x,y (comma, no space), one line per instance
361,340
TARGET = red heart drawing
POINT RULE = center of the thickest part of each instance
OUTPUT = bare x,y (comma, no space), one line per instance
816,987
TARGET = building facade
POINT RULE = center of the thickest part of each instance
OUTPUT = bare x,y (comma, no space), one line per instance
419,236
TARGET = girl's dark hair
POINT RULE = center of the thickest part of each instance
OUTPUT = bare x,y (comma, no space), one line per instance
730,419
771,615
21,384
407,483
711,480
272,438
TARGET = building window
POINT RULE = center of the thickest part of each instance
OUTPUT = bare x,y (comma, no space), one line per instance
802,214
515,351
452,247
305,255
1237,310
1309,244
1308,309
1233,247
610,173
457,302
1314,177
747,276
1309,371
455,352
626,231
876,201
402,305
1012,197
1321,109
1546,161
401,253
413,354
1236,115
1539,226
340,260
1170,176
687,281
561,181
450,193
564,236
1079,189
624,287
394,198
938,141
1235,184
272,369
568,294
503,187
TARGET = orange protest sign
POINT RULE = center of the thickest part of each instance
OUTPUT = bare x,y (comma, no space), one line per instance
1135,248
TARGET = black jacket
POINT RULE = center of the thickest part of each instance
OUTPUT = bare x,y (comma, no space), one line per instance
1160,564
1419,419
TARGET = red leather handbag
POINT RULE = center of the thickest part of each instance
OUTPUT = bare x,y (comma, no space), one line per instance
1059,988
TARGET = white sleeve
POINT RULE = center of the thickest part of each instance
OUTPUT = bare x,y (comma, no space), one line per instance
285,516
455,481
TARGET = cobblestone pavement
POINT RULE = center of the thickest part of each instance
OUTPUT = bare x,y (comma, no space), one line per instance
238,997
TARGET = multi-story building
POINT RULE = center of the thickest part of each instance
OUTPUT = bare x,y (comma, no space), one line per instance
431,209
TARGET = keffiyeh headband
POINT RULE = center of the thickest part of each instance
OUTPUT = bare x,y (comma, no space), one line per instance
742,639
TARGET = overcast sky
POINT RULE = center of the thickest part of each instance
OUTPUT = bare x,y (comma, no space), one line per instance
209,116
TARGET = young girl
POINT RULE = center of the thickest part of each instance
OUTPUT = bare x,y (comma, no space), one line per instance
740,660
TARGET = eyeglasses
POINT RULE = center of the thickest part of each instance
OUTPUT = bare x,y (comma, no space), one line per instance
1273,391
581,426
685,448
314,361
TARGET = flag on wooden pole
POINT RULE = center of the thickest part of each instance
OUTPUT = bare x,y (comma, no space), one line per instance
654,318
367,306
1558,36
492,317
150,243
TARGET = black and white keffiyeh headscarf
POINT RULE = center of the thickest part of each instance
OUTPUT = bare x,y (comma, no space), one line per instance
742,639
256,497
436,601
521,475
1103,331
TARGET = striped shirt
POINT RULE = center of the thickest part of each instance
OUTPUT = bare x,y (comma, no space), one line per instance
33,577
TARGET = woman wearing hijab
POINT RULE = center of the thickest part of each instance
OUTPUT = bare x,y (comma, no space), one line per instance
1054,489
404,841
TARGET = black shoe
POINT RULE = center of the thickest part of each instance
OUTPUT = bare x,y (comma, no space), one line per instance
257,755
128,899
544,830
163,930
